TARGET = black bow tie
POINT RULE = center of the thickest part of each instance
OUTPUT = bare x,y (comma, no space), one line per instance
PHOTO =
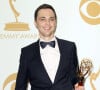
44,44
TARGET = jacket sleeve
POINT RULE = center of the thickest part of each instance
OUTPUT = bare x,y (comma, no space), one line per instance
22,80
74,66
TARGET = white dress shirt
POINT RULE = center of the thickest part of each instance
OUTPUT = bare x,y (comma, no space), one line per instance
50,57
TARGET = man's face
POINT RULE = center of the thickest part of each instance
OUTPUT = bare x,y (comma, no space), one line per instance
46,23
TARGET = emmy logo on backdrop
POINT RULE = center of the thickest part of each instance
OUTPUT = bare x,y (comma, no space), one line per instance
17,26
93,77
84,70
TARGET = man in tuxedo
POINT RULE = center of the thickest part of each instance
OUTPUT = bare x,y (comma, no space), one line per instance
49,63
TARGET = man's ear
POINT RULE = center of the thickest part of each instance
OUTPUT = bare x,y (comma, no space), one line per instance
35,24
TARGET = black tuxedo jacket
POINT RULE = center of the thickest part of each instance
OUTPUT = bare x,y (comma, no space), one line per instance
32,70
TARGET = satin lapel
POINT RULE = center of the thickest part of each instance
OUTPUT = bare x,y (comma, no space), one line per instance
43,70
61,48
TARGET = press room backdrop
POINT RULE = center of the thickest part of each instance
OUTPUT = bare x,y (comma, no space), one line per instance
78,21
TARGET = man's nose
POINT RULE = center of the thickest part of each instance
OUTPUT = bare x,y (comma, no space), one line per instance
48,22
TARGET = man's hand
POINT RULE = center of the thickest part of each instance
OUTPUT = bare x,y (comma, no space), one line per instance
77,87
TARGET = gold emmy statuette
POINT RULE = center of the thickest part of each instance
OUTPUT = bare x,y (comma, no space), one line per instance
18,26
84,70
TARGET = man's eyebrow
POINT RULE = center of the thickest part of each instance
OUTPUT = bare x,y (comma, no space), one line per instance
42,17
52,17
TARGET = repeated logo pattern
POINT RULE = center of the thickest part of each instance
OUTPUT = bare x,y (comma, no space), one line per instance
93,18
8,80
93,11
16,26
93,77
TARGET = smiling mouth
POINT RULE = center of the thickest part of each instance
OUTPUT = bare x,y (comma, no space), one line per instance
47,29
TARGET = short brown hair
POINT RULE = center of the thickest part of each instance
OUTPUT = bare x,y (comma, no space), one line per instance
44,6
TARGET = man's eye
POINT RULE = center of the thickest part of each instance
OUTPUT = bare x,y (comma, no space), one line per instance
42,19
52,19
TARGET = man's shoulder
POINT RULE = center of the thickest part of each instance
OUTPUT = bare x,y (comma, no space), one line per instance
64,41
66,44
